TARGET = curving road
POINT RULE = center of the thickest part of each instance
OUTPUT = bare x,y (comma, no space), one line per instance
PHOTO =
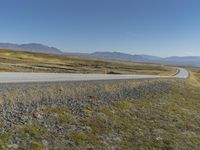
15,77
183,73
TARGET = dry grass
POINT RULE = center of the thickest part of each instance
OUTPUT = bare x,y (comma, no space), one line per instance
37,62
194,76
128,114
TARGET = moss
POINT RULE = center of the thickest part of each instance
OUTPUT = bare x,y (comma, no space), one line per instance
107,111
88,111
33,131
35,146
62,114
4,138
98,123
79,137
66,118
163,120
57,110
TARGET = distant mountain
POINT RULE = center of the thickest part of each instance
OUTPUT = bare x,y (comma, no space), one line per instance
76,54
124,56
174,60
188,60
31,47
112,55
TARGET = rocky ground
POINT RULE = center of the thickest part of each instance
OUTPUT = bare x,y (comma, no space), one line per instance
85,115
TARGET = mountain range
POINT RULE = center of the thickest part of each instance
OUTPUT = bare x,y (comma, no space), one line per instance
174,60
31,47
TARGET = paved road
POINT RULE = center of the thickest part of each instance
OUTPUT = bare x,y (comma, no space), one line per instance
183,73
13,77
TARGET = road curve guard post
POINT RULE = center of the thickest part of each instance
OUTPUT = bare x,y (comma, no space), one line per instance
162,69
161,75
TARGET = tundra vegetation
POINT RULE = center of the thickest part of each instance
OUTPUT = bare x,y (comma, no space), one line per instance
37,62
157,114
160,114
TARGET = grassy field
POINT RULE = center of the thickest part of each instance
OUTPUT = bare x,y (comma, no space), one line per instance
157,114
195,75
37,62
128,114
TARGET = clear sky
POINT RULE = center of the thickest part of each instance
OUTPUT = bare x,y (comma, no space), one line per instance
155,27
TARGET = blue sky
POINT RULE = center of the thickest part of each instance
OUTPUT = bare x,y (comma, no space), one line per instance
155,27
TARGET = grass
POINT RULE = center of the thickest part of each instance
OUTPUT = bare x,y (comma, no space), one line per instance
148,114
38,62
195,75
160,114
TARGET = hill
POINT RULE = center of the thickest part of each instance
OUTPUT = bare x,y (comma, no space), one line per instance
31,47
40,62
125,57
174,60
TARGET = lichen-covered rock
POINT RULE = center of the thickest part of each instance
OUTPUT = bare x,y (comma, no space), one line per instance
39,116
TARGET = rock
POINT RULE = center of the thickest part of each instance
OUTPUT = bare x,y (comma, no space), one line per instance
38,115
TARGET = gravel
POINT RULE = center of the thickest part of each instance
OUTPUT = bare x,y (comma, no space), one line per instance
22,103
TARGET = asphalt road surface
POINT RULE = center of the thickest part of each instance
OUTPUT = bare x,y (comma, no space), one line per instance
15,77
